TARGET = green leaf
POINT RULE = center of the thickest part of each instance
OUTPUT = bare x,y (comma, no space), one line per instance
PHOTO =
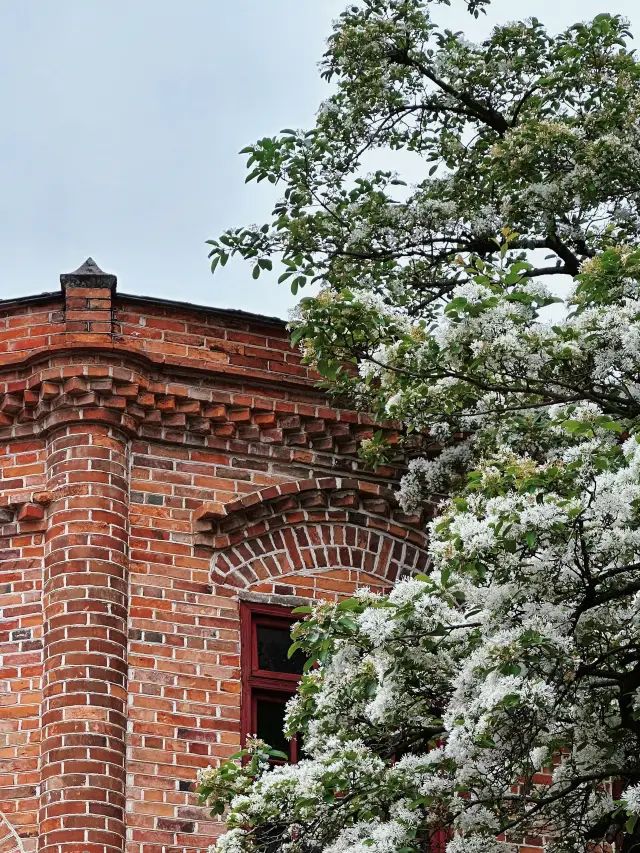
240,754
604,422
572,425
276,753
349,604
511,700
295,337
293,648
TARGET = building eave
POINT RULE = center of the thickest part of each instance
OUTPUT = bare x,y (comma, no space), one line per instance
236,313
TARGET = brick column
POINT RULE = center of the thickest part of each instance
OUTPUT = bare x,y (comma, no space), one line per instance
85,600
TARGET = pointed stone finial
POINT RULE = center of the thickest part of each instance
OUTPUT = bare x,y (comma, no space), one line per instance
89,275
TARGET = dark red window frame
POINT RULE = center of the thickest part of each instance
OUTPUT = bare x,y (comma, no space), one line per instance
260,684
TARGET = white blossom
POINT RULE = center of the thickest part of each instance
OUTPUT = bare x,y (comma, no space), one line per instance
631,799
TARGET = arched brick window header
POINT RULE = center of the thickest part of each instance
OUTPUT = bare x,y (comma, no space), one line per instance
311,526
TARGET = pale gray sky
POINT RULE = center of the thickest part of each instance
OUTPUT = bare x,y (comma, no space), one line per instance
122,120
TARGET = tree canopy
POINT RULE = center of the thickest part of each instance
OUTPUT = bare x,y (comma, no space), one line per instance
497,696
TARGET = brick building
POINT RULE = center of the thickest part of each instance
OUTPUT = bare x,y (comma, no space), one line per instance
172,484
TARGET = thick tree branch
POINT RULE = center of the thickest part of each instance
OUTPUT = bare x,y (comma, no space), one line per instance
482,112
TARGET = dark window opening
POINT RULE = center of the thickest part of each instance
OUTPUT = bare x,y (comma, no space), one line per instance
273,643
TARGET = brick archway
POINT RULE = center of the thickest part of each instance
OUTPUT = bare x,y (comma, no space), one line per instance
308,527
9,839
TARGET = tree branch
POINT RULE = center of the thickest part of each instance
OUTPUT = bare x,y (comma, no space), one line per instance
486,113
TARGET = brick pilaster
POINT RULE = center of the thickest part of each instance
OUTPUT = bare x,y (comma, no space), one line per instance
88,294
85,601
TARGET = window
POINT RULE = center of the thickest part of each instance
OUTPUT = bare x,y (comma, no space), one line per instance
269,676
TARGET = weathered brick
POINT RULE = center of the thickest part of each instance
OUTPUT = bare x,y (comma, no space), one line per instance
31,512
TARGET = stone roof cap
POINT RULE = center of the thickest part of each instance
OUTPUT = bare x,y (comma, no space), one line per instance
89,275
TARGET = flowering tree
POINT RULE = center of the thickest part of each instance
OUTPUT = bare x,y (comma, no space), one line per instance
498,696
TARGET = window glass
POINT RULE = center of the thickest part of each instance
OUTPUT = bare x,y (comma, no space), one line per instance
270,724
273,646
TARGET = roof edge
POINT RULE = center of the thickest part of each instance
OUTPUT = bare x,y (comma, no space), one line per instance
33,299
238,313
209,309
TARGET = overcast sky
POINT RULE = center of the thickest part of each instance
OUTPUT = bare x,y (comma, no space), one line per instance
122,120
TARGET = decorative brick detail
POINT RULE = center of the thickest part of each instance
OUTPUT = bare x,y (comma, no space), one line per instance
217,518
314,545
311,526
195,413
9,839
23,506
85,598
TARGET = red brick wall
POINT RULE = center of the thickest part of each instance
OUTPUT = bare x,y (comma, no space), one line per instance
158,463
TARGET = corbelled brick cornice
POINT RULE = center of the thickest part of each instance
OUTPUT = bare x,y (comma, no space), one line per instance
195,412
